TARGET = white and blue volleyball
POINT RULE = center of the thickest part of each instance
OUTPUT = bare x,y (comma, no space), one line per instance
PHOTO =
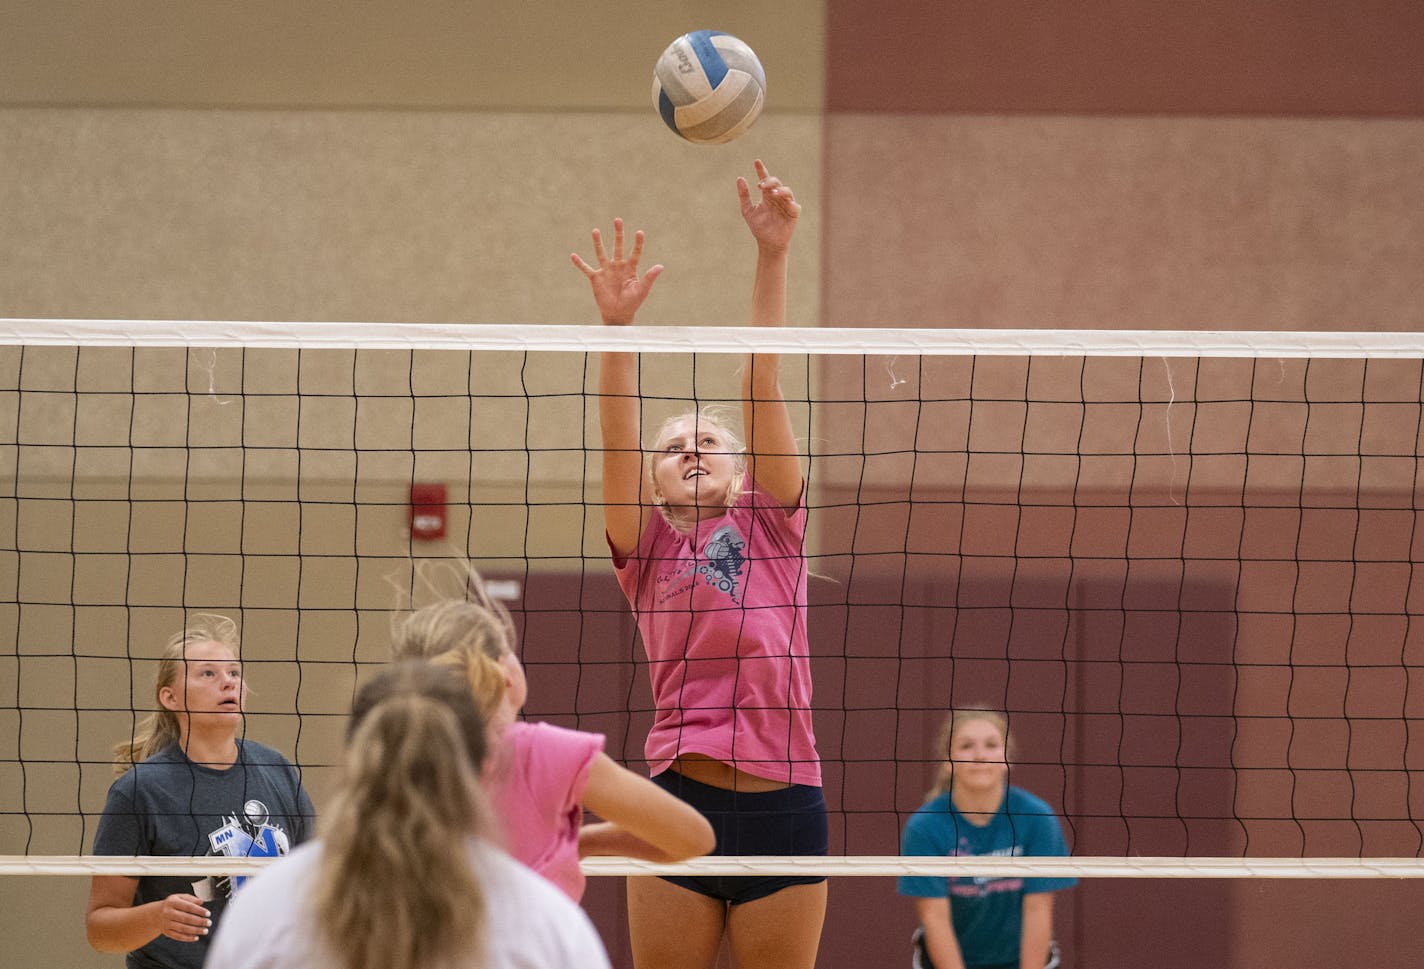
709,87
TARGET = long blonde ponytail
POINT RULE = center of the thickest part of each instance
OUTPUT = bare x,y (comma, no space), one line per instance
396,888
160,728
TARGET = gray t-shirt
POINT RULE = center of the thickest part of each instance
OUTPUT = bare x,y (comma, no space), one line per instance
169,805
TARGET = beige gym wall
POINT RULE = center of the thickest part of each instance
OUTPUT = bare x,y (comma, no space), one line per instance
320,161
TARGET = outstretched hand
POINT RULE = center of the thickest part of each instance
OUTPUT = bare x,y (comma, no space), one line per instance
773,219
617,288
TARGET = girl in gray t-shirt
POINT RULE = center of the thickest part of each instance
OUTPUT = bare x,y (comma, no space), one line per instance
188,786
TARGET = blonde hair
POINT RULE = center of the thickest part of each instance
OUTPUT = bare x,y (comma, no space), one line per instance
712,415
945,737
161,727
395,889
469,636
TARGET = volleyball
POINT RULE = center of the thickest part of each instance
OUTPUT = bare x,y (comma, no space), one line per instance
709,87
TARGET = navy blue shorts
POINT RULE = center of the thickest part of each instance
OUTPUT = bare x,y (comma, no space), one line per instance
790,821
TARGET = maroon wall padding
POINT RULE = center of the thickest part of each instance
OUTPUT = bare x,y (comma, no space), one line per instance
1237,677
1213,57
1165,708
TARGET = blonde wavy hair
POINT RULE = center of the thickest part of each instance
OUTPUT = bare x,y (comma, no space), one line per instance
395,890
161,728
469,636
946,736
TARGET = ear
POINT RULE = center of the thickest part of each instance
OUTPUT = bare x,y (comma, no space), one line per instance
169,698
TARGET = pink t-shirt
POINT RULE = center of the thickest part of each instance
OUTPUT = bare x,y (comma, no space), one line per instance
722,614
537,791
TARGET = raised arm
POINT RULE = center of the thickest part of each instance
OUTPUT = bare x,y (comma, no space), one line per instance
771,442
619,291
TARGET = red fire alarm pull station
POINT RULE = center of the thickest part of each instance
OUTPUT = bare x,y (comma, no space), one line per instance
427,511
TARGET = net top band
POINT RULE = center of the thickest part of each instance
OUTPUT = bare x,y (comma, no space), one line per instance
709,339
865,865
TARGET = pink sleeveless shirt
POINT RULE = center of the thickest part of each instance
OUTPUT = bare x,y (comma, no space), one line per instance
722,614
537,793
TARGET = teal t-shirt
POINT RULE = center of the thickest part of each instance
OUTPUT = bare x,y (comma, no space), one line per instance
987,912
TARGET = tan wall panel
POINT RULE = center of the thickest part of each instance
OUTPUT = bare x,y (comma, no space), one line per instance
252,455
51,912
329,53
1124,223
256,215
436,217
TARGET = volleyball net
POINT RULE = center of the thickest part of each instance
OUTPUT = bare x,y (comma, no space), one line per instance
1184,564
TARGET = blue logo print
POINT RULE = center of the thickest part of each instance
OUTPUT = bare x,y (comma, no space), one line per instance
725,556
248,837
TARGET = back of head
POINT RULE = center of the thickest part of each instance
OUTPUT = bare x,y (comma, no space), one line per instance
469,636
160,728
414,685
396,889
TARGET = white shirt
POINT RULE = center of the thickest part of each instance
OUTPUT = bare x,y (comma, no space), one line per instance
530,924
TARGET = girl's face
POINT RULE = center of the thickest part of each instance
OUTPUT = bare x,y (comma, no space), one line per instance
209,692
977,756
694,468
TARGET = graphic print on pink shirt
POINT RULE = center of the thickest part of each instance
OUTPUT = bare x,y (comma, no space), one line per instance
720,567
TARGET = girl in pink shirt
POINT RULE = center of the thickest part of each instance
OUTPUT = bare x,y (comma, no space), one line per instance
717,580
541,777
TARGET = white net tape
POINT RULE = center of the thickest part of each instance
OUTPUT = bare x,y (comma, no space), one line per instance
707,339
876,865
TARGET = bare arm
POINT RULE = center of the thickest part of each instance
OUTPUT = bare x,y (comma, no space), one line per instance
771,442
619,291
939,933
643,820
1037,930
114,924
624,501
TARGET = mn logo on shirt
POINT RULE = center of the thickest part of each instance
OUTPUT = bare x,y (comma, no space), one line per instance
239,838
